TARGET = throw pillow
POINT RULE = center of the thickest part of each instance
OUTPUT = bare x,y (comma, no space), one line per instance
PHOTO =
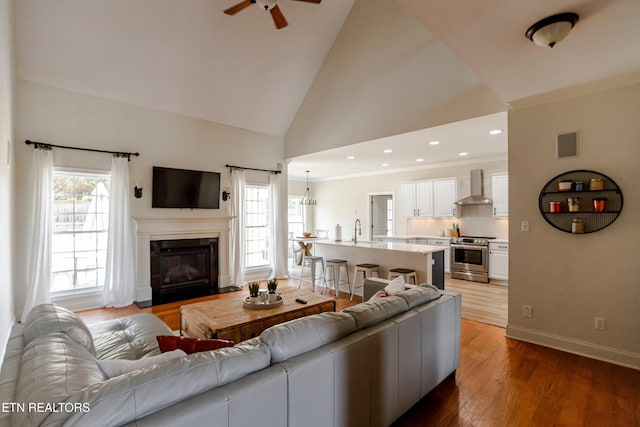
115,367
395,286
190,345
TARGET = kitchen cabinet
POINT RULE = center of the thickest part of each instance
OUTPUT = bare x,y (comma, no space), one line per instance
416,199
500,192
431,198
445,193
499,261
445,243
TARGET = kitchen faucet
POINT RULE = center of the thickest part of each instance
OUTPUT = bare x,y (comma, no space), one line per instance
357,228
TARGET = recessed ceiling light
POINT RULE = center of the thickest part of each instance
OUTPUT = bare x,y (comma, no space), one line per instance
419,160
384,165
495,132
388,150
463,154
434,143
350,157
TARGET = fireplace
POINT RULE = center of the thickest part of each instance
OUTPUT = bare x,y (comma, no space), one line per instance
183,269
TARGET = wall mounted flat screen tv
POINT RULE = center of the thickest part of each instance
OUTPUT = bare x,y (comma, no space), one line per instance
181,188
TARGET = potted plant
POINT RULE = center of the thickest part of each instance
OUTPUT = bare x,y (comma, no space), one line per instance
254,288
272,285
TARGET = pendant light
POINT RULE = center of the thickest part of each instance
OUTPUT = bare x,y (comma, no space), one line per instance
306,199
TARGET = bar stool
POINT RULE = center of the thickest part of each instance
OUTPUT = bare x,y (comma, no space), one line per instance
335,264
404,272
366,269
312,261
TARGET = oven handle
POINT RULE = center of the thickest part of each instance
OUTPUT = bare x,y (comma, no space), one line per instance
475,247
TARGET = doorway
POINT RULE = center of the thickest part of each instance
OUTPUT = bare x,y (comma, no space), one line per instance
381,214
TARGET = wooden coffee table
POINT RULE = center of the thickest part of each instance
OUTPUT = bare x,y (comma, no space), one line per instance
228,319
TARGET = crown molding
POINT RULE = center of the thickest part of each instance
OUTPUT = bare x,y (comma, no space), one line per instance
575,91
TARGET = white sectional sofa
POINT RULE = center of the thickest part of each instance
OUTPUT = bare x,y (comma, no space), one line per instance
366,365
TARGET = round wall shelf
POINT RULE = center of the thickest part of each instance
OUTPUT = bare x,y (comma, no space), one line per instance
580,197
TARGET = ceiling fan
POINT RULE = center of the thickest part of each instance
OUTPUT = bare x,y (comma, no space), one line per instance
270,5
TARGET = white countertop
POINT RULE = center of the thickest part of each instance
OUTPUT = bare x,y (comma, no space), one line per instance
385,246
420,236
410,236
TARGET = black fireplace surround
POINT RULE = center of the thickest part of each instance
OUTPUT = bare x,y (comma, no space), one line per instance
183,269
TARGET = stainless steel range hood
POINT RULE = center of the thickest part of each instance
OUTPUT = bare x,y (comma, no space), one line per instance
477,196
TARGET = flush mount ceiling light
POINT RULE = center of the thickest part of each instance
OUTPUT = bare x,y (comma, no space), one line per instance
306,198
551,30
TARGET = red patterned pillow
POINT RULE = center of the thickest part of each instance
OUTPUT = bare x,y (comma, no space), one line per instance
190,345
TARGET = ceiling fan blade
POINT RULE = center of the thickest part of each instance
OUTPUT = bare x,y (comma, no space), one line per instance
238,7
278,17
310,1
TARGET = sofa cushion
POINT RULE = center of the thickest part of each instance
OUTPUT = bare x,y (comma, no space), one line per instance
114,367
419,295
190,345
395,286
131,396
298,336
44,319
374,311
131,337
53,368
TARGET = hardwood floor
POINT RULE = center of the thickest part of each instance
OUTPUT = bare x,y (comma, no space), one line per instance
505,382
500,381
482,302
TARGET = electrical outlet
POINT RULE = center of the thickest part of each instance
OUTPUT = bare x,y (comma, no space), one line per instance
527,311
599,323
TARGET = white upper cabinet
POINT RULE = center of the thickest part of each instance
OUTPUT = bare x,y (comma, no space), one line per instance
424,192
416,198
500,190
408,199
432,198
445,192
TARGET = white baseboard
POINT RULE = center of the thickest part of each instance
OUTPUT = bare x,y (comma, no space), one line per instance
570,345
80,300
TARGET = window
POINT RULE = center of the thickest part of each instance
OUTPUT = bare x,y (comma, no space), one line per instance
257,226
389,215
80,226
295,216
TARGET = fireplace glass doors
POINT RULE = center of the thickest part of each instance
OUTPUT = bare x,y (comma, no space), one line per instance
183,269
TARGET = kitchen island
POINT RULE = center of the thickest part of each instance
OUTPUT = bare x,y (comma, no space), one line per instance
427,260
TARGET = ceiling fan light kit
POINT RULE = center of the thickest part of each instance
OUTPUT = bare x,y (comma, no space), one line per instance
551,30
268,5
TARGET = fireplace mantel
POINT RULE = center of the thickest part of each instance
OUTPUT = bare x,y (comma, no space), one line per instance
149,229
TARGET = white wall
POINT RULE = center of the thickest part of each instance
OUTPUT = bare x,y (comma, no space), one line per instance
7,79
342,201
62,117
570,279
386,74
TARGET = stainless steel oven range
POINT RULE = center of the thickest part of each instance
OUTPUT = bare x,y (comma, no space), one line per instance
470,258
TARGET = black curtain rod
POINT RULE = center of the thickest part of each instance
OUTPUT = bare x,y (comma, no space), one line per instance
253,169
118,153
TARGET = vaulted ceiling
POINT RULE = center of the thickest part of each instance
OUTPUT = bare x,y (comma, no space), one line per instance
190,58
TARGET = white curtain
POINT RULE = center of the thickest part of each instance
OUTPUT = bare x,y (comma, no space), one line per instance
119,284
277,242
237,226
39,260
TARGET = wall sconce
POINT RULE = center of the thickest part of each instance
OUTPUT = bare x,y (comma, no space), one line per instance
137,192
226,195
